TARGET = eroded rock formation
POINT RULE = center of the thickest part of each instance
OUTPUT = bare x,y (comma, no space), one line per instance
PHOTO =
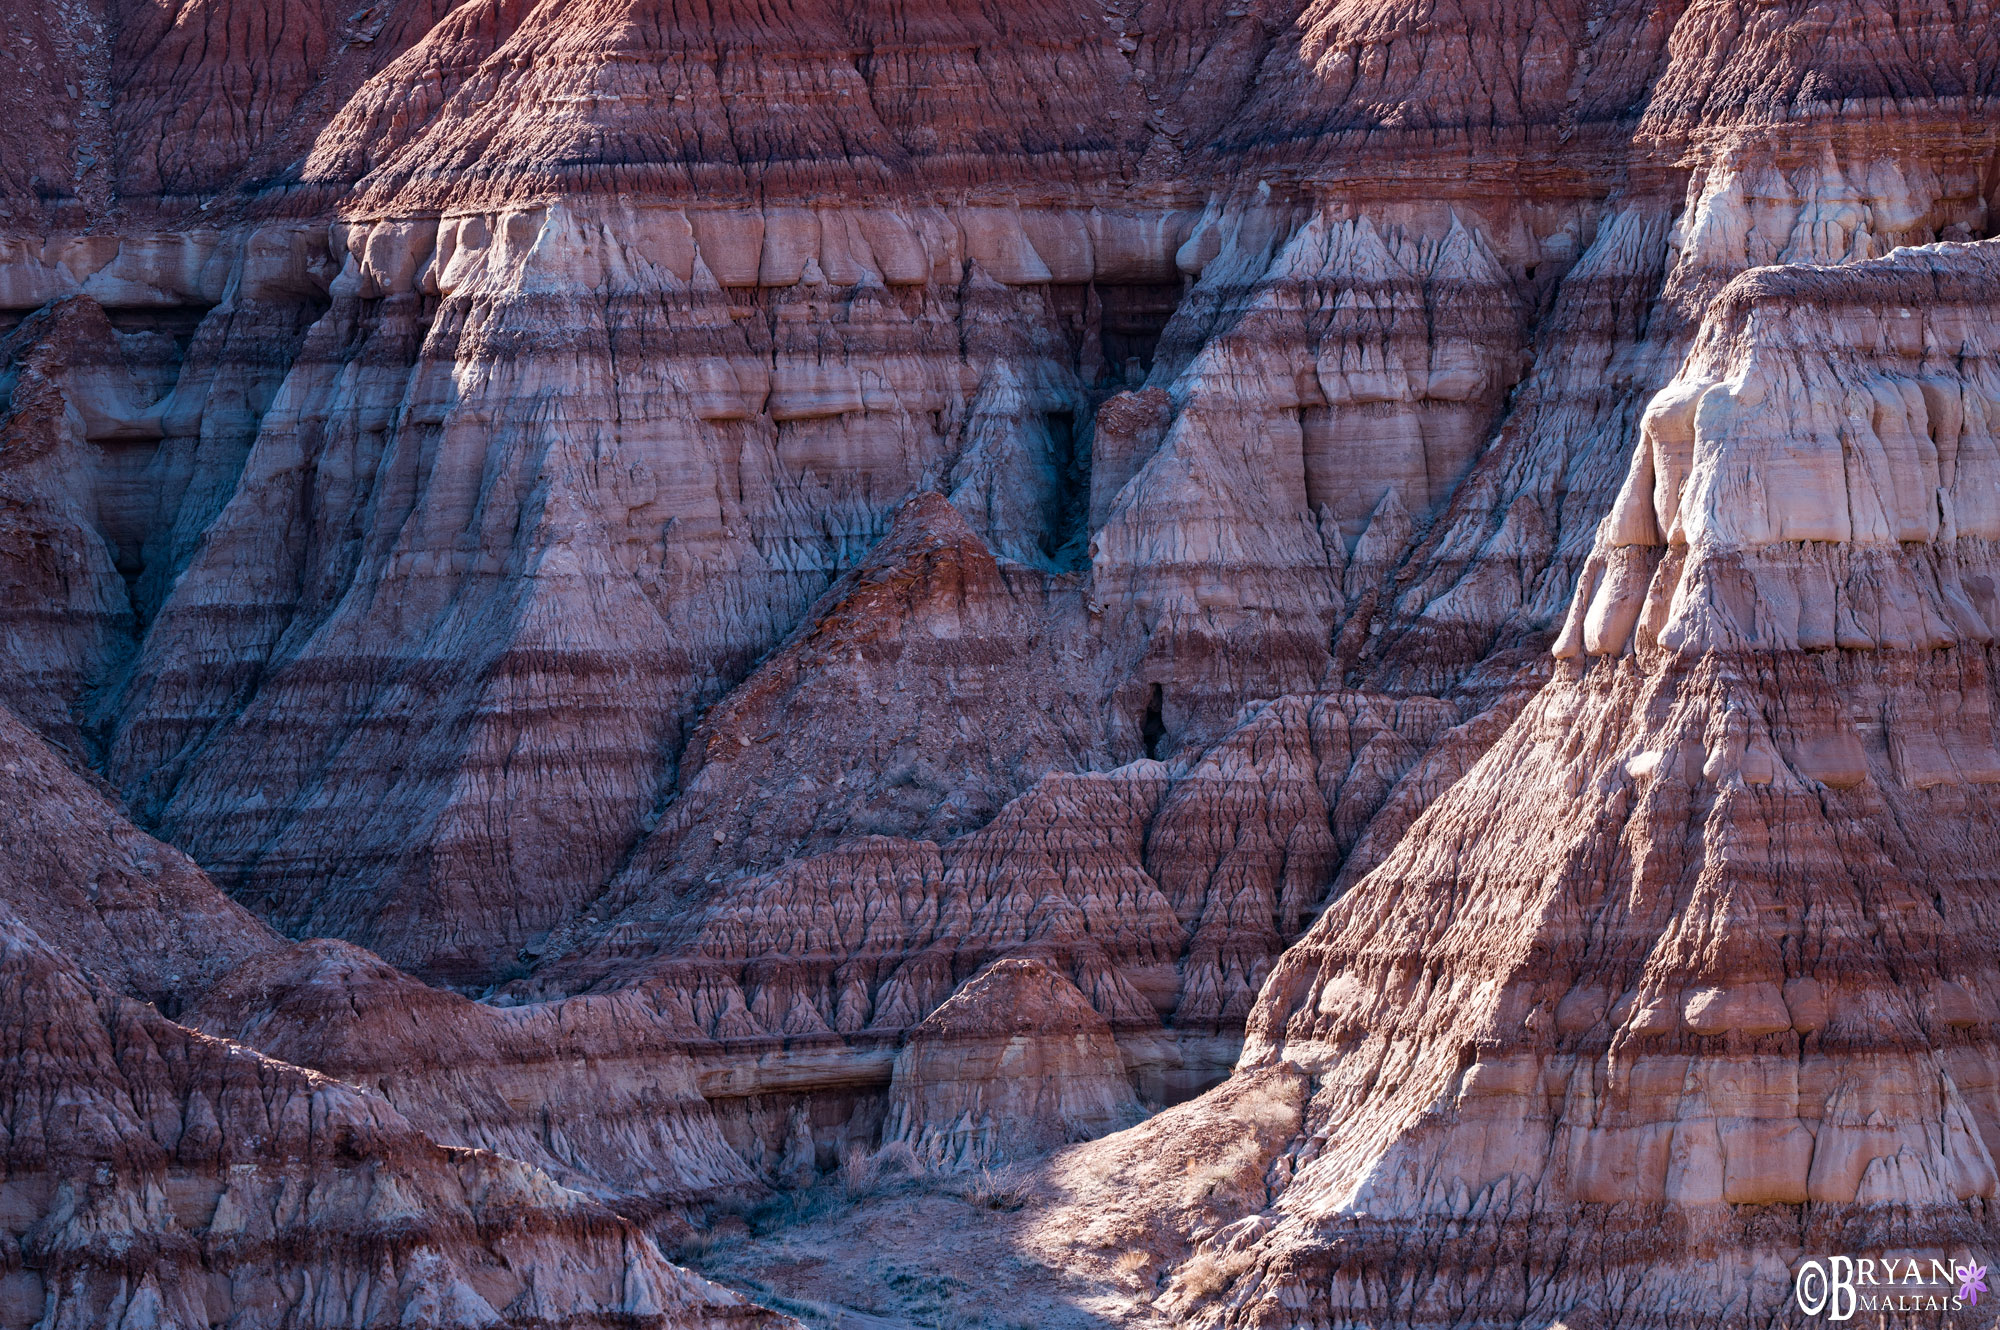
1688,977
158,1176
690,571
1014,1063
164,1178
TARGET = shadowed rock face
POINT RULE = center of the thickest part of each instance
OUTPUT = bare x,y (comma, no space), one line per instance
665,576
173,1179
159,1176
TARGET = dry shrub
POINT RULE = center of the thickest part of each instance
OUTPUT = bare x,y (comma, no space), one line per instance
1267,1112
858,1173
1241,1158
1267,1107
702,1244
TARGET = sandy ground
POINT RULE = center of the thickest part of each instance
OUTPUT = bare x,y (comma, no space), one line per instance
1093,1236
920,1253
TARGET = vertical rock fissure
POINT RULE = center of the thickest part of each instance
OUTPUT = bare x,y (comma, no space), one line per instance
1153,725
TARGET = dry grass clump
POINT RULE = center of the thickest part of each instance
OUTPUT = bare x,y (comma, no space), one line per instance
894,1167
1270,1106
1133,1266
704,1244
997,1189
1207,1273
790,1209
1231,1167
1270,1114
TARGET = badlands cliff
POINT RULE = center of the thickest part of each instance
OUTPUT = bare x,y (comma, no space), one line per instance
624,616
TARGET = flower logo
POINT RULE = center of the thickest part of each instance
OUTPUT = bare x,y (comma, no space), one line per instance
1971,1283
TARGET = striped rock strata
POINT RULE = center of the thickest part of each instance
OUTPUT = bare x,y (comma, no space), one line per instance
157,1176
1013,1063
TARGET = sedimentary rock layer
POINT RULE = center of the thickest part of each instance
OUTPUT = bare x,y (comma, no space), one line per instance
1163,896
159,1176
136,915
1013,1063
598,1092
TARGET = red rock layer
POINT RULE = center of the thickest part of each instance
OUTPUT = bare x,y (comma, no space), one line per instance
604,401
598,1092
133,913
1834,185
512,581
265,677
923,690
215,96
68,620
736,102
807,979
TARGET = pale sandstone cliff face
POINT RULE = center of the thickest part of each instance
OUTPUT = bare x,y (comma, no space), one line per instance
707,528
1695,981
